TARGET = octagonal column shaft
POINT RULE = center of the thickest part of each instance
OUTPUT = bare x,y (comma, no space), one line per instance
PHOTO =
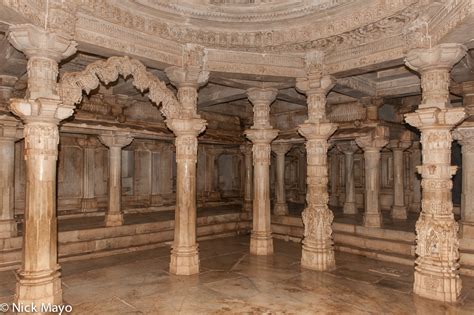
437,246
186,127
318,250
372,144
349,148
261,134
38,279
115,143
280,149
248,177
8,226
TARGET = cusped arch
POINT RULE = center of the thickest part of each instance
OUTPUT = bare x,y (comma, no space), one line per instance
106,71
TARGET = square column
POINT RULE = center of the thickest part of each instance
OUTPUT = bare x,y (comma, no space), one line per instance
115,142
349,148
318,247
261,134
280,149
437,244
38,280
372,144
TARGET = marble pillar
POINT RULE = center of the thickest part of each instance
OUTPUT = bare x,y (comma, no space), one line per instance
186,127
415,160
399,209
89,200
465,136
280,149
349,148
115,143
210,183
261,134
317,250
334,177
248,177
8,136
38,279
372,144
437,244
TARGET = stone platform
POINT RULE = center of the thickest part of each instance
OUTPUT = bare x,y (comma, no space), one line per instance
87,237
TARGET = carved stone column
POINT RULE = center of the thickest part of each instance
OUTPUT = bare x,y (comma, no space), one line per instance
349,148
399,209
261,134
115,143
8,136
89,200
210,183
280,149
437,248
38,280
372,144
415,160
247,151
465,136
334,177
317,252
186,127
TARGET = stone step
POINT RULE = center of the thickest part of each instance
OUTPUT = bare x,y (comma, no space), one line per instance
81,244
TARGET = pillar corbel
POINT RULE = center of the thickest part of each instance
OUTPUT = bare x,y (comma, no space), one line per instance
115,142
38,280
349,148
280,149
398,146
317,251
437,248
372,143
186,127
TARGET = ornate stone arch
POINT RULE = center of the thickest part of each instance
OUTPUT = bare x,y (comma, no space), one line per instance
72,84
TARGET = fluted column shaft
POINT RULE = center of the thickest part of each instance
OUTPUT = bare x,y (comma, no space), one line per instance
261,134
280,150
437,248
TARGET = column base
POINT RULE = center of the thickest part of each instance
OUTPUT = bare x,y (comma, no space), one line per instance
349,208
38,289
280,209
399,212
247,206
113,219
319,257
89,204
373,220
184,261
8,228
437,285
261,243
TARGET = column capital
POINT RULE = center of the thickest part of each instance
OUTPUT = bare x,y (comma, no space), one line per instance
261,99
403,142
443,56
87,143
41,110
192,73
264,136
246,149
281,148
435,117
372,105
465,136
315,84
116,140
8,128
313,131
347,147
34,41
188,126
374,140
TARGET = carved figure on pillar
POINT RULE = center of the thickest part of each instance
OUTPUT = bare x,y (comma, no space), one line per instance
372,144
41,111
349,149
317,252
186,127
261,134
437,244
280,149
115,143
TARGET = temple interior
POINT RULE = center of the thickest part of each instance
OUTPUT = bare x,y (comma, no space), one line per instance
237,156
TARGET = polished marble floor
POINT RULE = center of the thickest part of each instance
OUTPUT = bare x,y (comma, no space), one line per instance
233,282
